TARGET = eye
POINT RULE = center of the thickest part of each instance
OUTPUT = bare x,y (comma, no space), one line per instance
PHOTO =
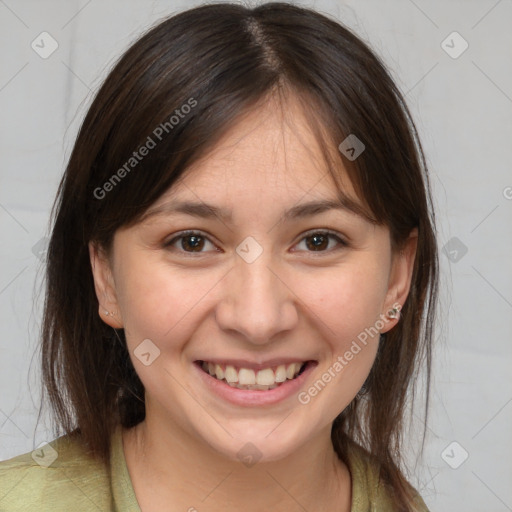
319,241
196,242
191,242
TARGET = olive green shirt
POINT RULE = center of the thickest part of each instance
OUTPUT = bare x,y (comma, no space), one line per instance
62,477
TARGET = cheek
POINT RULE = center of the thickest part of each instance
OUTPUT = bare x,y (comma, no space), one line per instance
159,302
347,299
347,303
347,307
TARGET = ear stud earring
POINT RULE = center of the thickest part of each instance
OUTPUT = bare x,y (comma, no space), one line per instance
107,313
393,312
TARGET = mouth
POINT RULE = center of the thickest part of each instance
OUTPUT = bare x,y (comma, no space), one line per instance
262,379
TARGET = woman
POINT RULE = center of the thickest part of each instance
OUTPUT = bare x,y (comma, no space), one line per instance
241,277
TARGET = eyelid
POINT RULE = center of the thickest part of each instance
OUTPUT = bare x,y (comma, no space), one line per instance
342,242
184,234
324,231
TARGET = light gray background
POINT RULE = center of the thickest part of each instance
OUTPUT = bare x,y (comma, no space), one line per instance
462,107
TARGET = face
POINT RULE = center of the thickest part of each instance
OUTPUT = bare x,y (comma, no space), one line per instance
262,283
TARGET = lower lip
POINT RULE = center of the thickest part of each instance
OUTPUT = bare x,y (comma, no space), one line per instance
251,397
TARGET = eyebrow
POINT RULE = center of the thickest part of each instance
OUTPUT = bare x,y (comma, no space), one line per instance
208,211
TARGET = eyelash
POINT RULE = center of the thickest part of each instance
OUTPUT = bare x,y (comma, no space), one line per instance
325,232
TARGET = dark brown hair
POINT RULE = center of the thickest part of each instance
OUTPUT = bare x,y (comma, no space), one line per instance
223,60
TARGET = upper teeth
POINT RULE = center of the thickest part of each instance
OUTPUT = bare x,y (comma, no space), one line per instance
247,376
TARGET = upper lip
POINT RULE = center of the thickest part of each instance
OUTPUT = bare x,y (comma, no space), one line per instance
252,365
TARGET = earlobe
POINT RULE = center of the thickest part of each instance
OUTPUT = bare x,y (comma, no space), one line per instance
104,287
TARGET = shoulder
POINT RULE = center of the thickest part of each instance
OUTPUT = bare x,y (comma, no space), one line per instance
58,476
369,493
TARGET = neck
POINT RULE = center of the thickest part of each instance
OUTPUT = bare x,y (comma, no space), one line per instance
168,466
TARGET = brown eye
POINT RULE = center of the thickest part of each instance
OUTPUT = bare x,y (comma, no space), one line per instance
192,242
320,241
317,242
189,242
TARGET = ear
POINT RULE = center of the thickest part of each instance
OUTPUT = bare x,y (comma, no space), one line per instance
400,278
105,287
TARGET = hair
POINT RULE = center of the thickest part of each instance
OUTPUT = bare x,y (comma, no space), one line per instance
223,60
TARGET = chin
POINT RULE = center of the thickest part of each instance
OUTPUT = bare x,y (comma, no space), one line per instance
269,441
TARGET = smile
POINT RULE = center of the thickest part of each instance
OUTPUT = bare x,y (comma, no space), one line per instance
250,379
246,383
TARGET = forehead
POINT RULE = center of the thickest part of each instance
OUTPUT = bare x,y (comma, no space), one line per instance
270,154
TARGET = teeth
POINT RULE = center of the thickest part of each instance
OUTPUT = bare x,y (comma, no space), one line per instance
254,386
281,373
292,370
231,374
219,372
246,378
265,377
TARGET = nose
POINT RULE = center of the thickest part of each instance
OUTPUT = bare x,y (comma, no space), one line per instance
256,302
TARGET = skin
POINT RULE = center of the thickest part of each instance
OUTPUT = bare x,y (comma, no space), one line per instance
291,301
